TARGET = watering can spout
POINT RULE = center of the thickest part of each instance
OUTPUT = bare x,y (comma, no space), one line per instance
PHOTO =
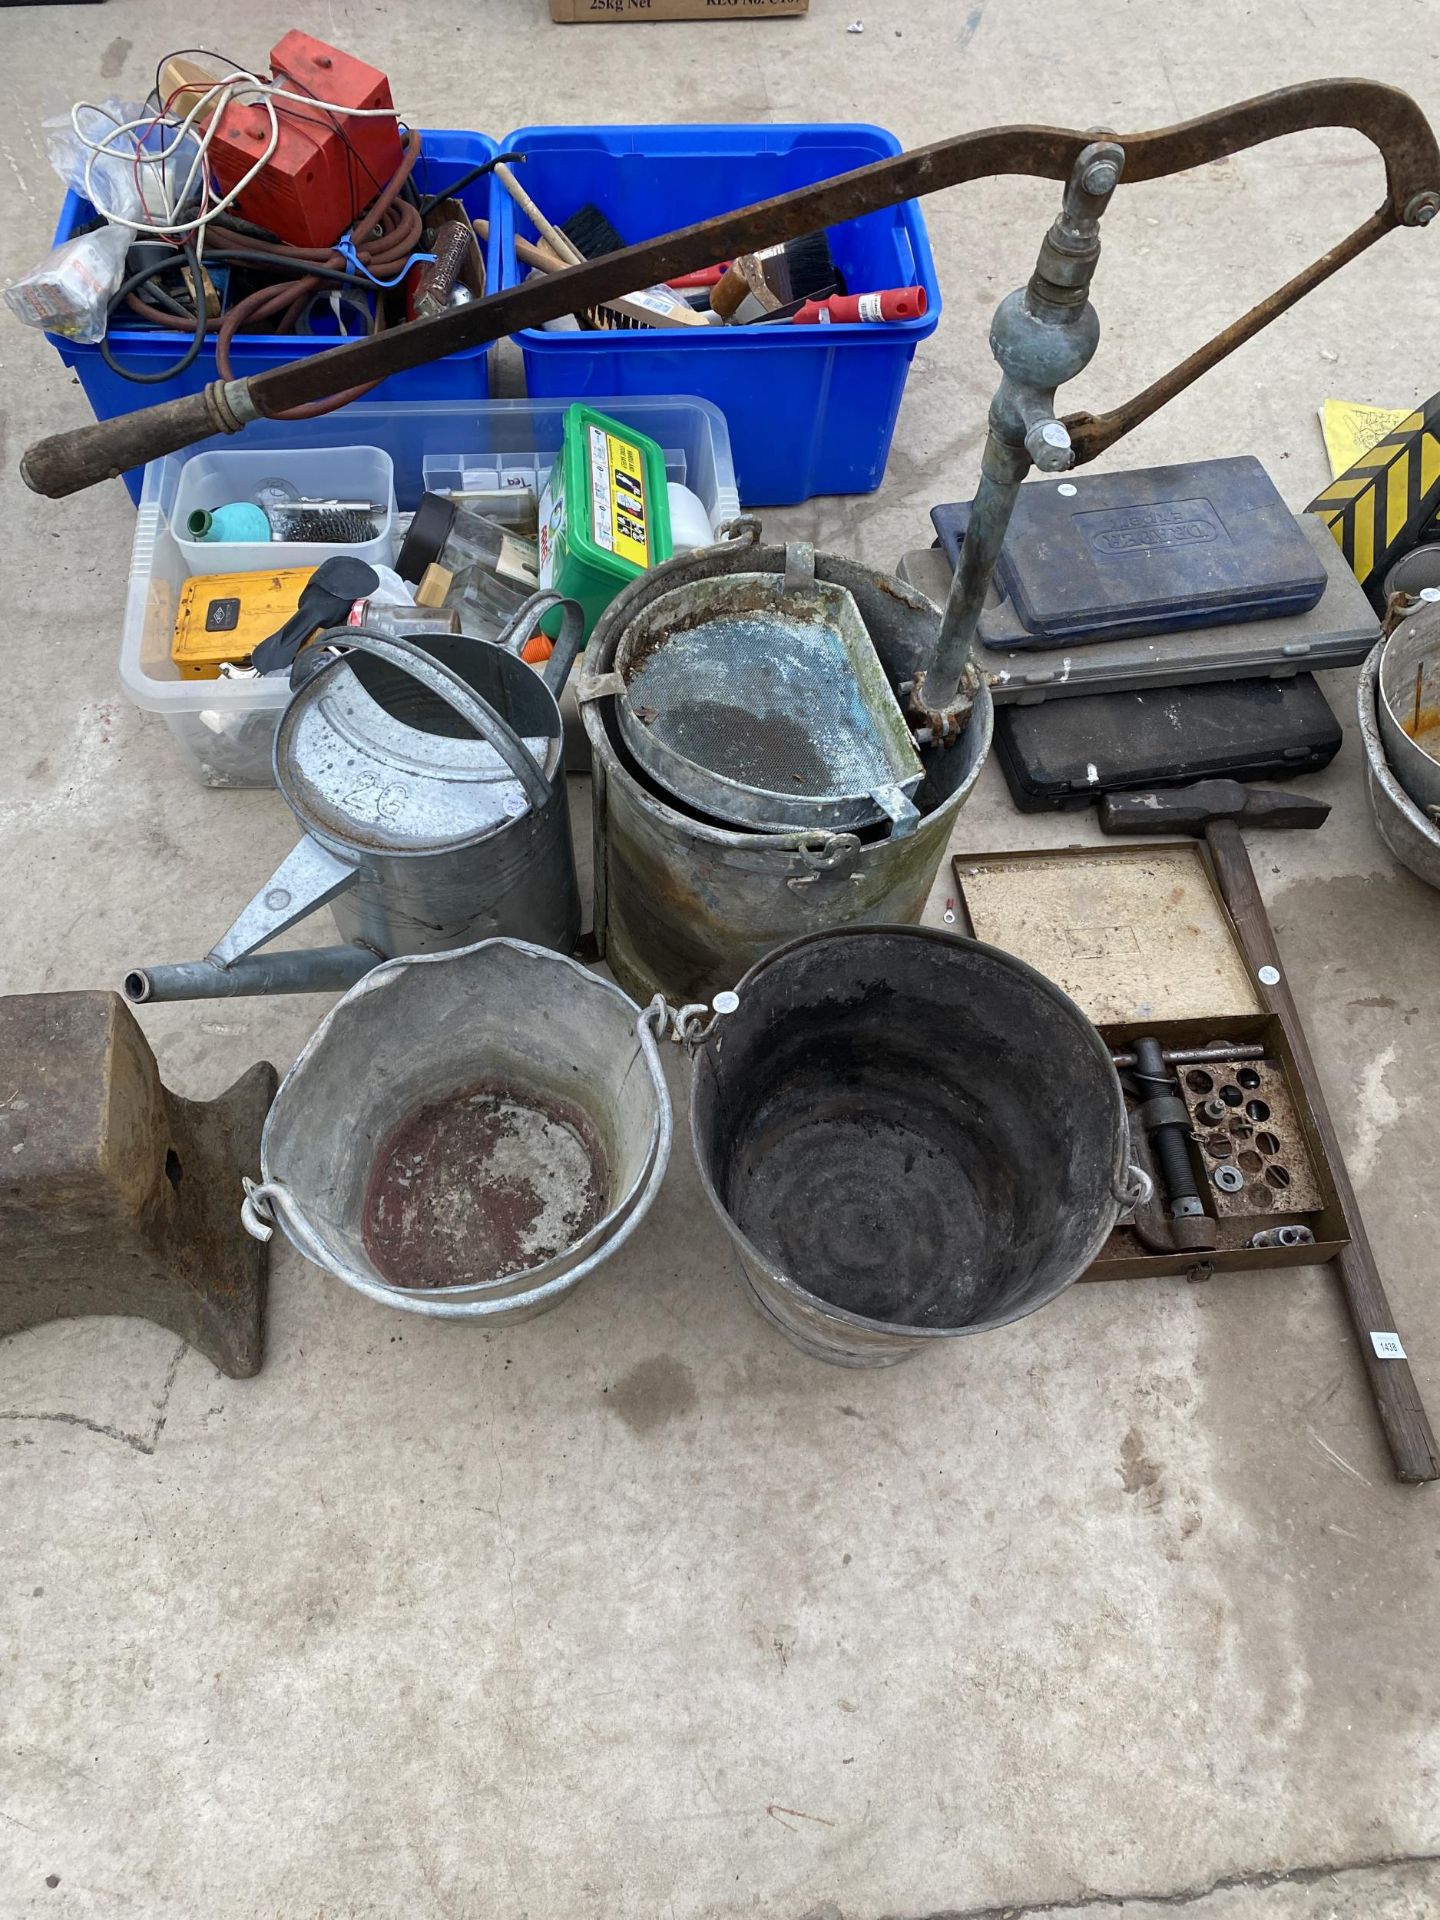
307,878
306,970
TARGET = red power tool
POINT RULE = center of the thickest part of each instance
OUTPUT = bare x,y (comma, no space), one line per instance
326,166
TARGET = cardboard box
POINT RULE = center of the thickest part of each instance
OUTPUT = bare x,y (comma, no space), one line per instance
614,13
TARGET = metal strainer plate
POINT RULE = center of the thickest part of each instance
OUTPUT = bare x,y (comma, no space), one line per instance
767,707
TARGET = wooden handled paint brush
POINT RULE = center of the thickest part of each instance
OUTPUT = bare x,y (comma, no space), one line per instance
758,283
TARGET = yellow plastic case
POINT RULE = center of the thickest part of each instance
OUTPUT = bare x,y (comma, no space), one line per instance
225,616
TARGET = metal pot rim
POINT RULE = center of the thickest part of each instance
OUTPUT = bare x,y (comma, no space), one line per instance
759,558
1367,692
939,936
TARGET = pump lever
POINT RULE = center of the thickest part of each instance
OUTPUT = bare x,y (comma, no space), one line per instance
66,462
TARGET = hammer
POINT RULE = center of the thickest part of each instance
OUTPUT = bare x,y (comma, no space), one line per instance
1218,810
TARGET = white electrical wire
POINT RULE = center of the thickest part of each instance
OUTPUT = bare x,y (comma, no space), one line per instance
222,92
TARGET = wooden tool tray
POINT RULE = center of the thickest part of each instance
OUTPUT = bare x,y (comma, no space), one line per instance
1140,939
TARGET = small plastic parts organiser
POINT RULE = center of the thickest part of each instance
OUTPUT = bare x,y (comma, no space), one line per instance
811,408
209,480
226,728
444,156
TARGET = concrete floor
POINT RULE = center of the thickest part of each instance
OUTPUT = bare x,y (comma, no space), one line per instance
633,1610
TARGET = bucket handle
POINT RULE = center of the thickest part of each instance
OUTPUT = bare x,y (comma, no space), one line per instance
820,853
1137,1189
521,626
743,527
448,686
270,1202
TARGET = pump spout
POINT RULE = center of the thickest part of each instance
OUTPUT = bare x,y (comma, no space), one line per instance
306,970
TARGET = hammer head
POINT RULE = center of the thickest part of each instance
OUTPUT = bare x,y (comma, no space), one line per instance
1191,809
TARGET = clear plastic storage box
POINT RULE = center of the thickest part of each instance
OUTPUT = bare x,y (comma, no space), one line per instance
226,728
210,480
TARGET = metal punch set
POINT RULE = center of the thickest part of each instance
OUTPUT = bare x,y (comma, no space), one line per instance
909,1133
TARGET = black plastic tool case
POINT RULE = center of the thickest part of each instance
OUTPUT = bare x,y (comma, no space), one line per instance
1157,550
1065,754
1338,631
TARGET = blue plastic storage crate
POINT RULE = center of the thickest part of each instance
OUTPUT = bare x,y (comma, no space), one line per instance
444,156
811,409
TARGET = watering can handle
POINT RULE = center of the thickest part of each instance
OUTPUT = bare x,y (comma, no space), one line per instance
448,686
522,624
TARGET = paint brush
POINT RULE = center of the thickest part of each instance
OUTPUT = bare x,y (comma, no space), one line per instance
759,283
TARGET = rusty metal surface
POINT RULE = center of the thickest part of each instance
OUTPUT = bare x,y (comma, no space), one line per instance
116,1195
493,1179
1091,434
1260,1136
1387,117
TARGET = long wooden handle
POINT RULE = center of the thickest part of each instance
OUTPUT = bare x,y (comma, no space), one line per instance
1397,1398
526,250
560,243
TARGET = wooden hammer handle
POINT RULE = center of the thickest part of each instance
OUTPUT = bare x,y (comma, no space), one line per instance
1397,1398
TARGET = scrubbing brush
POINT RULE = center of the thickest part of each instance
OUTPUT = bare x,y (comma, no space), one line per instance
591,233
588,230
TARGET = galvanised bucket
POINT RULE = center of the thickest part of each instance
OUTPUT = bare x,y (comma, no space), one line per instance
468,1134
909,1136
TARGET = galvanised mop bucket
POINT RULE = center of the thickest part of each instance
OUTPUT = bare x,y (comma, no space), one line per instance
685,903
908,1136
468,1134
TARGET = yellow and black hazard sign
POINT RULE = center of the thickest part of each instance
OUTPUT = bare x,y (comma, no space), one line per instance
1376,508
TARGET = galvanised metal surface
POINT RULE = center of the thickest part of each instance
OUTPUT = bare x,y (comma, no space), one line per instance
1408,705
1042,335
909,1136
760,700
306,970
684,907
429,1030
431,786
1411,837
